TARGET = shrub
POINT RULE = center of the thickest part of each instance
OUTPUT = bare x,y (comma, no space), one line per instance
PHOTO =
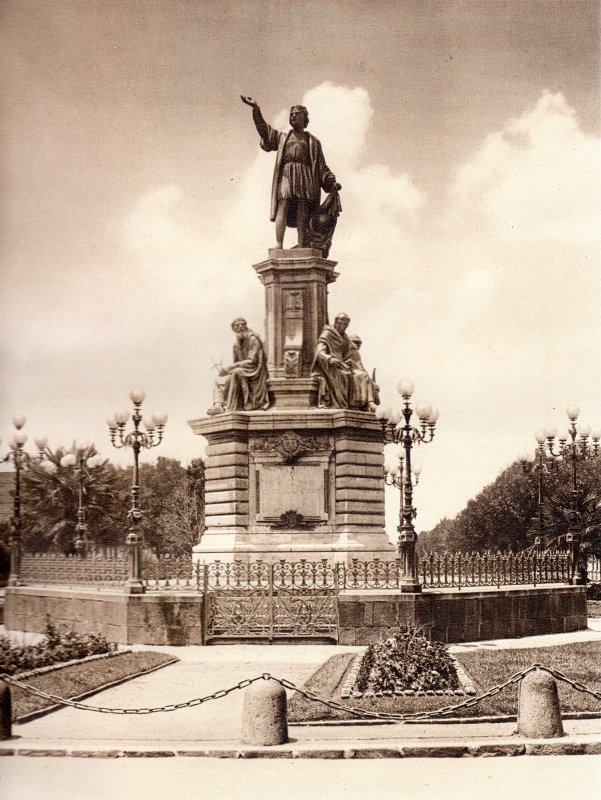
58,646
406,660
593,591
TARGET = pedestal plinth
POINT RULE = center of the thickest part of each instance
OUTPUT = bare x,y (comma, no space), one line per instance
296,310
293,483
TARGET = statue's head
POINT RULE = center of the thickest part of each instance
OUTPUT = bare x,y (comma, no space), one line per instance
356,340
341,322
299,117
240,327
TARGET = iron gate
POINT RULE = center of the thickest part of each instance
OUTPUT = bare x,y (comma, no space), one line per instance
282,600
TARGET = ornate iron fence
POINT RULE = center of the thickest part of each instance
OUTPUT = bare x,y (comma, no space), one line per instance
102,569
109,569
172,574
271,600
280,574
457,570
593,568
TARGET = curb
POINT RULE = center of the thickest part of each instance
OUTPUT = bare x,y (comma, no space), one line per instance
495,748
346,723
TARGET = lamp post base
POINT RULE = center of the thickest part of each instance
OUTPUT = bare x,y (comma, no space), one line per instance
410,587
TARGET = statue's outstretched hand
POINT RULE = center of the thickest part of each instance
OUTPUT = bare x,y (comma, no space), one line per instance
249,101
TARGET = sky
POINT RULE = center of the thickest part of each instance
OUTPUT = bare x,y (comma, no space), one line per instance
135,200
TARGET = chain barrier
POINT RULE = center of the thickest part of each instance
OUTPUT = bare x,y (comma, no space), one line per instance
357,712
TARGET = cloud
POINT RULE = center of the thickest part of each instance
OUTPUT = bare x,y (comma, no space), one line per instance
151,222
537,178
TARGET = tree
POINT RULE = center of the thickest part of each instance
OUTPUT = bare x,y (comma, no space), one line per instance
502,515
436,538
558,505
498,518
172,500
49,500
196,489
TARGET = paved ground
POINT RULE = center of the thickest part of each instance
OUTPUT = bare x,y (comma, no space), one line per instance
214,728
544,778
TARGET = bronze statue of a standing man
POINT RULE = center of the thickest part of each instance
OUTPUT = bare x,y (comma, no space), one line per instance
300,172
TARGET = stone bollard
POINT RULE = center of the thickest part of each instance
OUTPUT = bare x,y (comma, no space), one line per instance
5,711
264,719
539,716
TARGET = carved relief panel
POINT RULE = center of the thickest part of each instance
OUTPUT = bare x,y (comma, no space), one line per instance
291,483
293,332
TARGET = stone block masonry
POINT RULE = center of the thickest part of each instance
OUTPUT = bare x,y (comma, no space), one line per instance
463,616
162,618
293,483
364,616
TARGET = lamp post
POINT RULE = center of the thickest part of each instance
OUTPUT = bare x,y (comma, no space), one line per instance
84,457
394,476
540,465
19,458
137,439
575,445
397,428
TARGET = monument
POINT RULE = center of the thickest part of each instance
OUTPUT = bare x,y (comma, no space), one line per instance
295,456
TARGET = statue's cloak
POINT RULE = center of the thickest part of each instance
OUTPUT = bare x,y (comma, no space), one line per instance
321,176
247,385
336,383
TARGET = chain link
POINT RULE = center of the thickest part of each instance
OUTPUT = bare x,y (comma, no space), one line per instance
197,701
309,695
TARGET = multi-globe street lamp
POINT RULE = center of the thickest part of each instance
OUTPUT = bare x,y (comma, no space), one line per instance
83,459
395,475
539,465
137,439
397,429
578,443
19,459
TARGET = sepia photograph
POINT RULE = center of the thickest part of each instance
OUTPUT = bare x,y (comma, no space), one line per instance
300,382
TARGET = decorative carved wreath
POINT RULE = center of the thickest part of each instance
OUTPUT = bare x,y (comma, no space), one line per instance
291,520
289,445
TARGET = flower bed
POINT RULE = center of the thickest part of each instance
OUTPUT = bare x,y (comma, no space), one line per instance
404,663
57,647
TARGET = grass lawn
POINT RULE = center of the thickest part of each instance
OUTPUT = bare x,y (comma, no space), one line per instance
581,662
78,679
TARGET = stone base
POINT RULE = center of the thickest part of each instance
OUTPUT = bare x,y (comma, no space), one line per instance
173,618
293,483
293,392
463,616
293,545
176,618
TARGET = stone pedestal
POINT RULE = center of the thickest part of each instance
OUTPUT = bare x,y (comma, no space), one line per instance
293,484
296,310
293,481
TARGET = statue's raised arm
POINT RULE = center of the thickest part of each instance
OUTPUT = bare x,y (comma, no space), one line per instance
300,175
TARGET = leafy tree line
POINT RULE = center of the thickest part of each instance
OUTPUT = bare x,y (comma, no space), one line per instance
504,515
171,497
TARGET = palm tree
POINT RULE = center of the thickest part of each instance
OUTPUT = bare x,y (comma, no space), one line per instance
50,497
